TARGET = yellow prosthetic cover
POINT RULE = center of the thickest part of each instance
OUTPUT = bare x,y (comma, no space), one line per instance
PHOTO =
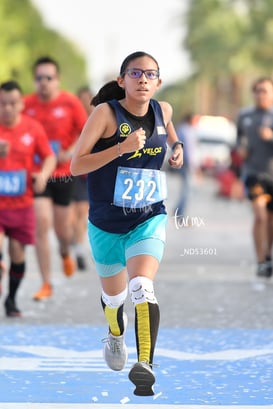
113,311
147,317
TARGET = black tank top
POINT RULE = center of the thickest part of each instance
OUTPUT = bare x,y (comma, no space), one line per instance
101,183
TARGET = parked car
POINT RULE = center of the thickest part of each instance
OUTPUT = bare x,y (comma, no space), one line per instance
216,136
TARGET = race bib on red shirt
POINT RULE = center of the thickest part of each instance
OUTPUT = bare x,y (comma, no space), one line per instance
13,183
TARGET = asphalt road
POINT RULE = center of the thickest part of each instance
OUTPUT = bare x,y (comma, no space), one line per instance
215,343
206,279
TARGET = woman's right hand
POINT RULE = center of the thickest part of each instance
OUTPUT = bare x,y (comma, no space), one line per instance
134,141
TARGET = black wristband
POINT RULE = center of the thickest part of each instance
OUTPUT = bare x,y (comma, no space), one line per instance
177,143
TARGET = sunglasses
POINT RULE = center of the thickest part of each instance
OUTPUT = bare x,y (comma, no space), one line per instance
43,77
260,91
137,73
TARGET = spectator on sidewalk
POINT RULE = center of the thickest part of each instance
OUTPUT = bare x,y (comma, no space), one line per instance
186,133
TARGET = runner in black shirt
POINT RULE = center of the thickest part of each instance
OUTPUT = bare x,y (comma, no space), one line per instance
255,143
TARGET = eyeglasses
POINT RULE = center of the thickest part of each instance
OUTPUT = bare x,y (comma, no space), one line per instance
39,78
137,73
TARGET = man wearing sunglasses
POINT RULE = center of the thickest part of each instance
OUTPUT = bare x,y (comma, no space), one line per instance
62,116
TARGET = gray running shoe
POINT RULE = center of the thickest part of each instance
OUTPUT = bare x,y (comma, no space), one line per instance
115,351
264,269
269,266
142,376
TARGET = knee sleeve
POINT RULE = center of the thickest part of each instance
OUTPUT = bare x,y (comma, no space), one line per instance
114,301
142,290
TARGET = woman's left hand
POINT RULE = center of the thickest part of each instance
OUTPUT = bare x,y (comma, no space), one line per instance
176,159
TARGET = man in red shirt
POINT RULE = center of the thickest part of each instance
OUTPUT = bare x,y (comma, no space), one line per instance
62,116
21,139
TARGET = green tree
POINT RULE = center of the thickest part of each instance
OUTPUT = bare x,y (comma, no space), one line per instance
216,37
260,17
218,43
24,37
230,42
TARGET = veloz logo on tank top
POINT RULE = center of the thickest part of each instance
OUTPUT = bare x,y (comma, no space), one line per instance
146,151
124,129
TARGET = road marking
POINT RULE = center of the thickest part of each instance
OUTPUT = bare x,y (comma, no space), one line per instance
120,406
42,358
61,367
58,359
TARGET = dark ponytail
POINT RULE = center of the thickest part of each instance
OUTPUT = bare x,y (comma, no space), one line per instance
111,90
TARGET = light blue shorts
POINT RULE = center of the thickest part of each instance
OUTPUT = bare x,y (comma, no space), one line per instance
110,251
